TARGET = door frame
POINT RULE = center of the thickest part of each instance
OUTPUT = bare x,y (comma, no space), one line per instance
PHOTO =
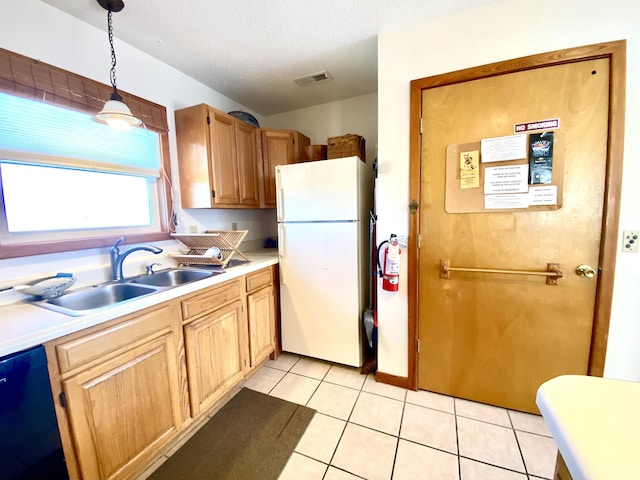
616,53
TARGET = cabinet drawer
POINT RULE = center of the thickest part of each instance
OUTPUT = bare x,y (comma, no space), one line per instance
258,280
82,350
211,299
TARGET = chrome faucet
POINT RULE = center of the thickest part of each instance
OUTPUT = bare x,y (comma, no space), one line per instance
117,258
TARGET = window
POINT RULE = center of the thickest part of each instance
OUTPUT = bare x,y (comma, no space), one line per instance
52,199
65,178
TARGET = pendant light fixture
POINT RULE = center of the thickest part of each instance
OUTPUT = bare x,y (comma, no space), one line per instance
115,112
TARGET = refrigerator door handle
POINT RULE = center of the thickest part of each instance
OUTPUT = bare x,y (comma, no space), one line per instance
280,205
281,252
279,197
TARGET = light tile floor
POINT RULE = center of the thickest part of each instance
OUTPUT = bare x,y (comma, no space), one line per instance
363,429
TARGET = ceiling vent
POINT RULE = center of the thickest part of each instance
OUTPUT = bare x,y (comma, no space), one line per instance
313,78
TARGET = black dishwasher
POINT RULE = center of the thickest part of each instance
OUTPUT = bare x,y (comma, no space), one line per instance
30,446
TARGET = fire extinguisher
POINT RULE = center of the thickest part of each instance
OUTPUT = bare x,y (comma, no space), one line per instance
391,271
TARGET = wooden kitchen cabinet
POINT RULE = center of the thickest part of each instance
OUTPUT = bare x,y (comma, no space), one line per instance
261,315
128,389
122,390
217,159
248,165
278,147
215,343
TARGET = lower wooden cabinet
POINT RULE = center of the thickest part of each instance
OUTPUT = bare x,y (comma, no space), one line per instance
121,392
215,346
129,388
261,316
123,408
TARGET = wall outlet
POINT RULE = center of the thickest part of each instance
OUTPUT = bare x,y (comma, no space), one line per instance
234,225
630,240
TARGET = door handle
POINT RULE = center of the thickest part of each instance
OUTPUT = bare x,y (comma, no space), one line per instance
553,272
585,271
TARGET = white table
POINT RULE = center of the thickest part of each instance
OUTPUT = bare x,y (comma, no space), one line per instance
595,423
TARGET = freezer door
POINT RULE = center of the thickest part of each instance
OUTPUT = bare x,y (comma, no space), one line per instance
320,290
318,191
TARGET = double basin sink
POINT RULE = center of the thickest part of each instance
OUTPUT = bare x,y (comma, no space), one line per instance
86,300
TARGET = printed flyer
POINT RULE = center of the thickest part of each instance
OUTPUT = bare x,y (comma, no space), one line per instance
540,158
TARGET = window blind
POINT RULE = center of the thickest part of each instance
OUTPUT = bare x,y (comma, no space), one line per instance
35,132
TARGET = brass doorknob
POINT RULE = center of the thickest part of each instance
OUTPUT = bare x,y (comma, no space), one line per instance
585,271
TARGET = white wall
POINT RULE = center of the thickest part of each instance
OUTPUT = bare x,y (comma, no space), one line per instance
357,115
37,30
504,30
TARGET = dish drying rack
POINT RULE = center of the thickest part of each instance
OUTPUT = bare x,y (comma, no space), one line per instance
227,241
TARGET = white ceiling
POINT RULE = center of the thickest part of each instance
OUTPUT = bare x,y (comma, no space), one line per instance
251,50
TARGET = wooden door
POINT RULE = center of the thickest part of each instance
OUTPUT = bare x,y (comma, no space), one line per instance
123,410
494,338
247,165
223,159
215,348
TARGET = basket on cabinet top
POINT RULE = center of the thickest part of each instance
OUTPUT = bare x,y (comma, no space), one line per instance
348,145
226,241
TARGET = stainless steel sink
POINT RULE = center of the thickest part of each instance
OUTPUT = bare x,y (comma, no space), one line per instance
86,300
173,277
82,301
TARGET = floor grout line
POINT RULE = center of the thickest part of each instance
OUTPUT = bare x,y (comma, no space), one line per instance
455,415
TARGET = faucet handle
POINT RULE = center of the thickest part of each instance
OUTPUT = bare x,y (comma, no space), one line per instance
117,244
149,268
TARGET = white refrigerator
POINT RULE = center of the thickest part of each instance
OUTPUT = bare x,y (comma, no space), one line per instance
323,245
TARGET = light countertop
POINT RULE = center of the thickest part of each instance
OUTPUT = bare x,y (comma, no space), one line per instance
24,325
595,423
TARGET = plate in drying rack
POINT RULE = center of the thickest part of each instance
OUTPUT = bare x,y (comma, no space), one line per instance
226,241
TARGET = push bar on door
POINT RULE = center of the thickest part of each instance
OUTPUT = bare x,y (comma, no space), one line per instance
552,273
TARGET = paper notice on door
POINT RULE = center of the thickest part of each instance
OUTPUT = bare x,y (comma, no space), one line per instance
547,195
507,179
469,169
500,149
516,200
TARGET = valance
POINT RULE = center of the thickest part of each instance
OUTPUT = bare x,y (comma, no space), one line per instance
25,77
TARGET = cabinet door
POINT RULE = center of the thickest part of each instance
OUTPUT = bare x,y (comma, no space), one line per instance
277,149
223,158
194,159
215,354
247,164
123,410
261,306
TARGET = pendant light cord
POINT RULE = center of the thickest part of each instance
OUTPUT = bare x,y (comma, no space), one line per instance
113,52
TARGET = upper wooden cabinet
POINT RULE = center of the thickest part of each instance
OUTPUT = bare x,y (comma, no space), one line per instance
249,167
217,159
278,147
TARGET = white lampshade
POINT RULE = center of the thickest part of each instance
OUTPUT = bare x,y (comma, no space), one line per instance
116,114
